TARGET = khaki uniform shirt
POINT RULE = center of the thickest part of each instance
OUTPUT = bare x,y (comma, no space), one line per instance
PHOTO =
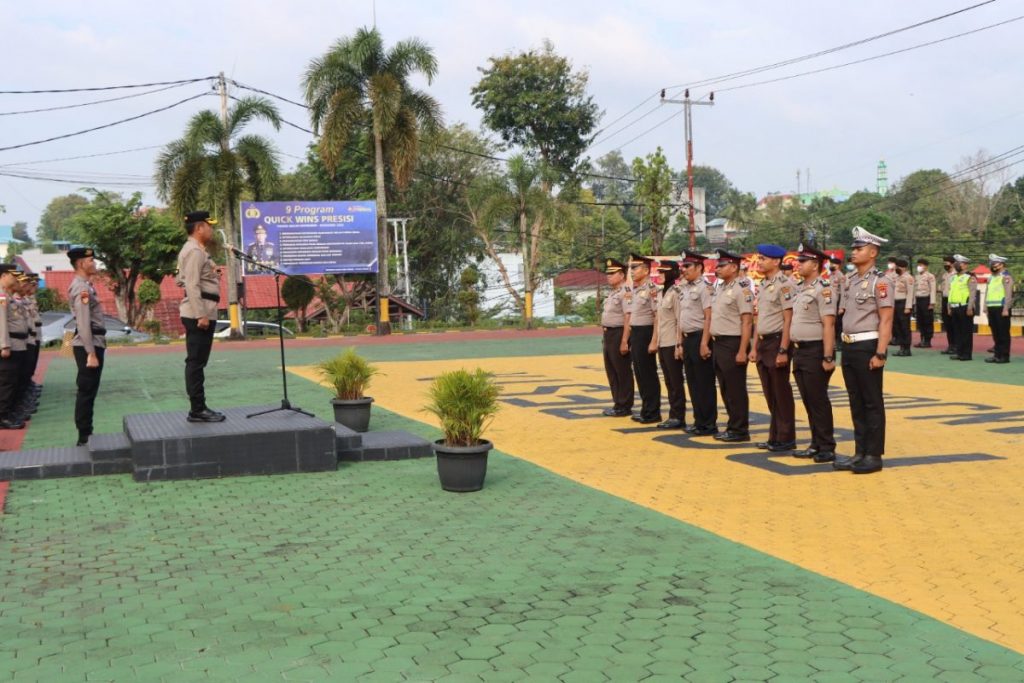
904,286
836,279
815,301
947,276
35,321
198,275
645,305
90,331
616,306
668,317
924,286
863,297
694,299
18,323
6,301
729,304
774,296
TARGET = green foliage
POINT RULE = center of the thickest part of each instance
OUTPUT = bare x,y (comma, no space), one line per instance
47,247
298,292
535,100
352,179
718,190
465,403
54,221
653,191
19,231
563,302
50,300
348,373
13,249
148,294
469,296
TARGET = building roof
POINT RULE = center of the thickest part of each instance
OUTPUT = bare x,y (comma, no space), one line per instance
7,235
580,279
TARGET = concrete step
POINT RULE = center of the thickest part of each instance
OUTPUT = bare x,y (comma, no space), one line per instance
46,463
106,447
346,439
396,445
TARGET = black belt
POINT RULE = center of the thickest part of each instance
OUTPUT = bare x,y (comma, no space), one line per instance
18,335
210,297
639,326
807,344
39,324
690,334
99,331
617,327
723,337
771,335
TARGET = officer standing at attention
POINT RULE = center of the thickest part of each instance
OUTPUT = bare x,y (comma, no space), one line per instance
37,326
947,319
694,332
963,291
198,276
25,401
666,336
925,290
732,308
867,328
615,347
812,334
902,307
770,350
998,300
8,361
642,348
89,343
836,278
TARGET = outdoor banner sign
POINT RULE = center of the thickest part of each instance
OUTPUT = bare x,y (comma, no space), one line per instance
310,238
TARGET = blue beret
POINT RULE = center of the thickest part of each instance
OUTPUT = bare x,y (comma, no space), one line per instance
771,250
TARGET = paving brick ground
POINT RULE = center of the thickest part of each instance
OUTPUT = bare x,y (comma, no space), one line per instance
373,573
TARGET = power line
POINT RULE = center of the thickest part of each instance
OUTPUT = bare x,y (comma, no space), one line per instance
89,104
77,181
106,87
83,156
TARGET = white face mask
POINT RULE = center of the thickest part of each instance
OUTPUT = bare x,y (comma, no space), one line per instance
892,266
849,267
920,269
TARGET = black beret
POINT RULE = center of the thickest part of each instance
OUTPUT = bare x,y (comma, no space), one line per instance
75,253
199,216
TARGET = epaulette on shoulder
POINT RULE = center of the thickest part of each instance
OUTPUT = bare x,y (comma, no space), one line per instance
744,282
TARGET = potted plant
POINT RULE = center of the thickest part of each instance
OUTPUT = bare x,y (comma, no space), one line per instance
465,402
350,375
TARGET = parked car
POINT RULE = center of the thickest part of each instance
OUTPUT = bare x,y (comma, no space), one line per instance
55,323
252,329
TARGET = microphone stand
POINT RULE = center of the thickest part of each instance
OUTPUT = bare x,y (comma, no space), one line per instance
285,403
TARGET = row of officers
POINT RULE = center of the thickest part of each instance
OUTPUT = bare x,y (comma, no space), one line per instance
704,334
20,337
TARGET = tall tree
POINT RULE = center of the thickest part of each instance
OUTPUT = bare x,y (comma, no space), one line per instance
20,232
653,191
717,189
131,241
56,215
611,179
358,87
298,292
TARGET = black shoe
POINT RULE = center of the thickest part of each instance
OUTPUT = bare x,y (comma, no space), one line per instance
867,465
205,415
920,345
946,352
926,344
690,430
782,446
953,356
8,423
992,350
649,421
824,456
964,358
765,445
705,431
611,412
807,452
733,437
1004,359
846,464
993,359
671,423
215,412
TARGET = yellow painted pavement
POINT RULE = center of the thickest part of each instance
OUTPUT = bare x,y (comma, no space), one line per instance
943,538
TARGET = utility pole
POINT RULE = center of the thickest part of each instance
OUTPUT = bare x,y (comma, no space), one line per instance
687,103
227,215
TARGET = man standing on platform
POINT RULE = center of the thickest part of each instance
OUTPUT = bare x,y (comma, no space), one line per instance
732,308
924,303
948,271
963,291
616,347
198,276
694,333
901,308
640,325
867,328
770,350
89,342
998,301
812,335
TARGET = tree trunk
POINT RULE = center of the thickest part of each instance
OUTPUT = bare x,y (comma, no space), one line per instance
527,271
383,276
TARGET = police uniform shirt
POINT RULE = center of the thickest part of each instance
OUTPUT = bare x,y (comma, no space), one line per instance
5,308
904,284
264,253
863,296
924,286
645,305
1007,290
616,306
198,275
947,277
668,315
85,306
813,302
35,320
17,323
730,302
694,299
836,280
774,296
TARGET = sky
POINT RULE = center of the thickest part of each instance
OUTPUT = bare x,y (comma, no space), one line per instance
925,108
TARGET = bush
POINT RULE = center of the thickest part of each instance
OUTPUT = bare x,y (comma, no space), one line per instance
465,403
349,374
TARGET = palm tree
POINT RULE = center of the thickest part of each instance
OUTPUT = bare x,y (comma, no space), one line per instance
359,88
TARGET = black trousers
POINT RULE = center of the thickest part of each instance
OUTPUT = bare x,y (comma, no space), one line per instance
700,380
947,325
88,383
812,380
675,385
645,367
900,323
732,383
619,370
778,392
864,387
198,343
963,325
21,361
8,384
28,370
1000,327
925,318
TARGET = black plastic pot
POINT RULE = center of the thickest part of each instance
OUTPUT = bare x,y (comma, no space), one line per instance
462,468
354,414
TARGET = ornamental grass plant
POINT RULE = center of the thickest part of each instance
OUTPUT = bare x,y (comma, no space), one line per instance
349,374
465,402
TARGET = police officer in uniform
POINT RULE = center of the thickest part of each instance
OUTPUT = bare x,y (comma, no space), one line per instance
925,289
35,335
813,339
25,401
694,325
9,370
90,341
963,292
867,328
261,251
902,307
18,325
836,278
642,347
616,347
998,301
666,336
732,309
770,350
198,276
949,270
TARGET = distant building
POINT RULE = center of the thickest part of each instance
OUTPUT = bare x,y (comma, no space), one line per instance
721,231
496,296
581,285
6,237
